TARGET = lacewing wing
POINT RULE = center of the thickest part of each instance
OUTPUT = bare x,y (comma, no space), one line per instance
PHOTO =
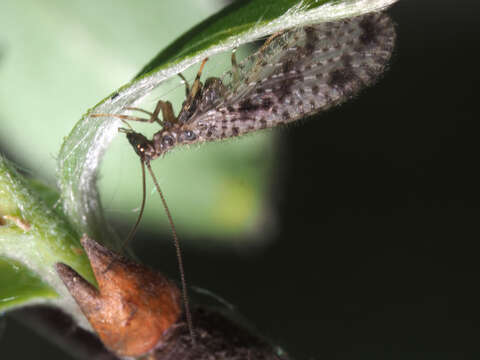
295,74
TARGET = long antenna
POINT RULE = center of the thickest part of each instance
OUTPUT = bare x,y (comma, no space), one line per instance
132,232
179,253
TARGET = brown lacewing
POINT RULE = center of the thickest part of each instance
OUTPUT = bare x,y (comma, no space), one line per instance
295,74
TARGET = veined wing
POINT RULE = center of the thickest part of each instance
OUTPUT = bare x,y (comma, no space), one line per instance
299,73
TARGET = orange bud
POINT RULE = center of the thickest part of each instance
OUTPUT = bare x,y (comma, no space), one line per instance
134,305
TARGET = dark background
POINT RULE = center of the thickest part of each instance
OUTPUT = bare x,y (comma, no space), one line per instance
376,249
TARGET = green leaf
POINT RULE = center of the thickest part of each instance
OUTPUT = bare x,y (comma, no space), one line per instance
225,203
34,237
245,21
19,285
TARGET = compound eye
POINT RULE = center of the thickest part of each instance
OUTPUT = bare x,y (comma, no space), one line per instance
167,141
189,135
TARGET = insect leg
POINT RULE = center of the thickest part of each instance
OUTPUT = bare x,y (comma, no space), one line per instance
167,113
234,67
269,40
119,116
154,115
143,111
197,85
185,82
164,106
260,52
195,93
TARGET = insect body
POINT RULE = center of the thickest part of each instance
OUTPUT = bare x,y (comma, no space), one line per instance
298,73
295,74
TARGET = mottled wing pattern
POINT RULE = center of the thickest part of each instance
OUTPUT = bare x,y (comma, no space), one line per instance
299,73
